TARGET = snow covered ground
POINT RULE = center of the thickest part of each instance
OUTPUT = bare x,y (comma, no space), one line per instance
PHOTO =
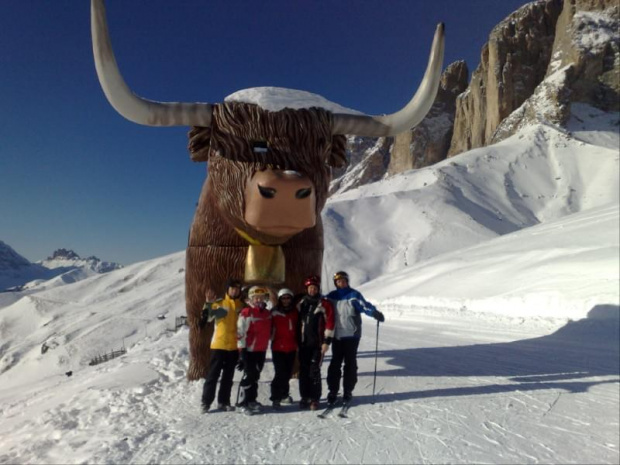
498,271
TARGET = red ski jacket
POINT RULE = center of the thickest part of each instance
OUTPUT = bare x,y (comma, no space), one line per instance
284,330
254,329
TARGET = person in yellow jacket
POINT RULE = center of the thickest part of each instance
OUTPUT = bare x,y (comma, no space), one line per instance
224,353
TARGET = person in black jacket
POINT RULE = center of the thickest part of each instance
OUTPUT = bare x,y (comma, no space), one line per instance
316,330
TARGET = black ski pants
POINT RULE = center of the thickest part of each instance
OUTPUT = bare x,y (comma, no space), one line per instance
254,362
343,350
222,362
283,366
310,373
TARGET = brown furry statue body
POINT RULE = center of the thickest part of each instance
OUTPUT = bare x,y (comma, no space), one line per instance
280,211
258,217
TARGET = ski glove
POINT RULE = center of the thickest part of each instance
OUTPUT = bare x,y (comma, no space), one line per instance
242,359
377,315
219,312
204,316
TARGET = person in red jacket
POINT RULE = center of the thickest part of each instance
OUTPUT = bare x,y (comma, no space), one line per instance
315,332
283,347
253,334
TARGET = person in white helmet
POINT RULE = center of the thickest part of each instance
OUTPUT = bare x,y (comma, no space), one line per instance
253,334
283,347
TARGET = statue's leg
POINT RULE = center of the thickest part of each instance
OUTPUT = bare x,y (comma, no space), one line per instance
196,288
207,269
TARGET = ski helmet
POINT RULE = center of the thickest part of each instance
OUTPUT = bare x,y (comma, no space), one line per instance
285,291
232,282
341,275
312,281
258,290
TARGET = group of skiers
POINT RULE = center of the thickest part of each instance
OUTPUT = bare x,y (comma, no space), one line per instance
302,327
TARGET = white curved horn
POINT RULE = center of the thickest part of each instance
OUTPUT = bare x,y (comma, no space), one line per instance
409,116
129,105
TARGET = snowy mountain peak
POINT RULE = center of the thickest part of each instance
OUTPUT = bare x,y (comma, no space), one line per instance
67,254
67,258
11,260
16,270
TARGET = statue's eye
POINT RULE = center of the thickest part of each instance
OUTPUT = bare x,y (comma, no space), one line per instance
303,193
260,146
267,192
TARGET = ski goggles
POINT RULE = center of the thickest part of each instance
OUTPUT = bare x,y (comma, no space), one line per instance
259,291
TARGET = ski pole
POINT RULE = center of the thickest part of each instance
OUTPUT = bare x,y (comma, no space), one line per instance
374,383
239,388
238,391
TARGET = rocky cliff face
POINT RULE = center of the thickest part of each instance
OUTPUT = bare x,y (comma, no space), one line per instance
512,64
588,40
584,67
368,161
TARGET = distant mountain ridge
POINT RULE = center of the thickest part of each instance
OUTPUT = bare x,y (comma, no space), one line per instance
17,273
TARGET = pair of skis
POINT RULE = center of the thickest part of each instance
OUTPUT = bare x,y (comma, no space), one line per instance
342,413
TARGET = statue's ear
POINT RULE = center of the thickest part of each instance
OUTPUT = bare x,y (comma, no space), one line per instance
199,143
338,156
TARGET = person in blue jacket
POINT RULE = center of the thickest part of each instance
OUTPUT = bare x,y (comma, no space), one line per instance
349,304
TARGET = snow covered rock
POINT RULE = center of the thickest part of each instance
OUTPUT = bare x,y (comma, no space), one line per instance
66,258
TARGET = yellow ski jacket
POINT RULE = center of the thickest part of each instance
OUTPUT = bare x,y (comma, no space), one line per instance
225,312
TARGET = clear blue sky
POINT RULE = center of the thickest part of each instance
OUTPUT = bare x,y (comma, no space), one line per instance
75,174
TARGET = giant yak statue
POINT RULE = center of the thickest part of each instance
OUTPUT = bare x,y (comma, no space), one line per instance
258,217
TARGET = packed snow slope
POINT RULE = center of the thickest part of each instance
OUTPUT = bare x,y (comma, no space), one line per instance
498,274
541,174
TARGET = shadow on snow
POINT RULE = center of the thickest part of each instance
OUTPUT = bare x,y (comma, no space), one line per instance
581,349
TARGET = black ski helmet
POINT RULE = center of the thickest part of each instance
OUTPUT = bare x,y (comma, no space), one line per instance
341,275
232,282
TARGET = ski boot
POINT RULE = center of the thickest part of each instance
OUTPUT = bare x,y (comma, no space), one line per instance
255,407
